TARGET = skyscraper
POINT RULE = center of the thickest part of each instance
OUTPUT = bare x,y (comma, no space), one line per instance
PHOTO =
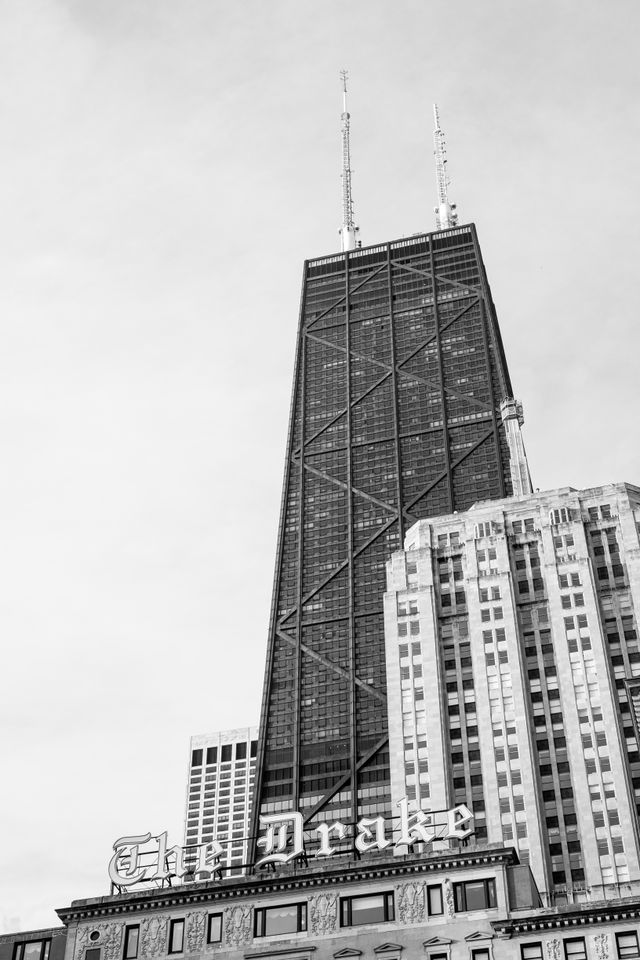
219,791
396,415
514,680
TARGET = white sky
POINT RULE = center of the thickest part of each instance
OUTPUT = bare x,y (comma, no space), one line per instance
165,168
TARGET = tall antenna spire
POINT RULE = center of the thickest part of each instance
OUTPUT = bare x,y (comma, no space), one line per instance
348,231
446,215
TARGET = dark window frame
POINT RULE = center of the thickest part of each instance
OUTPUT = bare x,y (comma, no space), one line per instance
627,933
460,894
214,916
128,930
435,913
260,919
526,946
178,921
574,956
45,947
346,912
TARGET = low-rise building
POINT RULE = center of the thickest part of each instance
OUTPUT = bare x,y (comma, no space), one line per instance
475,903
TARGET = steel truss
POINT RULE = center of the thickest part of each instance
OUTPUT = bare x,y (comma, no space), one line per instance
420,283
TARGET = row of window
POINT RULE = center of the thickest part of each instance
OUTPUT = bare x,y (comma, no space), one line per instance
226,753
575,948
292,917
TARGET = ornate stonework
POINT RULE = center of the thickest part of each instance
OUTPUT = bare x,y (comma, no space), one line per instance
153,937
237,925
553,950
323,913
110,939
411,904
194,927
602,946
449,904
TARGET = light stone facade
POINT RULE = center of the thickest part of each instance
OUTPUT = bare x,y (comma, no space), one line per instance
219,792
511,648
419,926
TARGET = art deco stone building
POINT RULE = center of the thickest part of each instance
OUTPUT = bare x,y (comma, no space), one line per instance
513,671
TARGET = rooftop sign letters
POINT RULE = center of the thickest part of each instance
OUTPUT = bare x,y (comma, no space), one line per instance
147,858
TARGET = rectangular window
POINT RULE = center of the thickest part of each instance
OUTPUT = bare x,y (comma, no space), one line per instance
531,951
480,954
274,921
32,950
92,953
226,752
575,949
376,908
475,895
196,758
131,940
176,936
214,928
241,751
627,945
212,754
434,900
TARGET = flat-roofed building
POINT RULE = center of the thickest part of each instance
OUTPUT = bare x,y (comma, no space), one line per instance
513,669
219,791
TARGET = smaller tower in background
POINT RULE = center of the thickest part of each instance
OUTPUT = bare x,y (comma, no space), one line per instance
446,215
219,792
348,230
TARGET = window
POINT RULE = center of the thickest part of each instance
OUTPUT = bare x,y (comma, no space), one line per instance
212,754
272,921
575,949
475,895
196,758
131,941
627,944
254,748
92,953
214,928
376,908
32,950
434,900
176,936
241,751
226,752
531,951
481,954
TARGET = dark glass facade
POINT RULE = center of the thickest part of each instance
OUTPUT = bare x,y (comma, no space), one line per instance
395,416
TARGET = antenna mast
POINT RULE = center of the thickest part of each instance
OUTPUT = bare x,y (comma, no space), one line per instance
348,231
446,215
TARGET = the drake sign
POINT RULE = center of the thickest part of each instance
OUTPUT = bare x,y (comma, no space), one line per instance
146,857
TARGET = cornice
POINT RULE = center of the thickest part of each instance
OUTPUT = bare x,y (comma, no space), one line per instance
584,915
243,888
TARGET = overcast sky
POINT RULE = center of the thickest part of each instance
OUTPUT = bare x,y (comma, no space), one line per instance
165,168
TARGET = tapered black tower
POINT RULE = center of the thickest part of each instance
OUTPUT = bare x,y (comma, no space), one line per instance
399,376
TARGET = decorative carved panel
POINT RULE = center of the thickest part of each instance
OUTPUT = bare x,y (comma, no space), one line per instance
195,927
237,925
449,904
411,902
110,939
323,913
553,949
153,936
